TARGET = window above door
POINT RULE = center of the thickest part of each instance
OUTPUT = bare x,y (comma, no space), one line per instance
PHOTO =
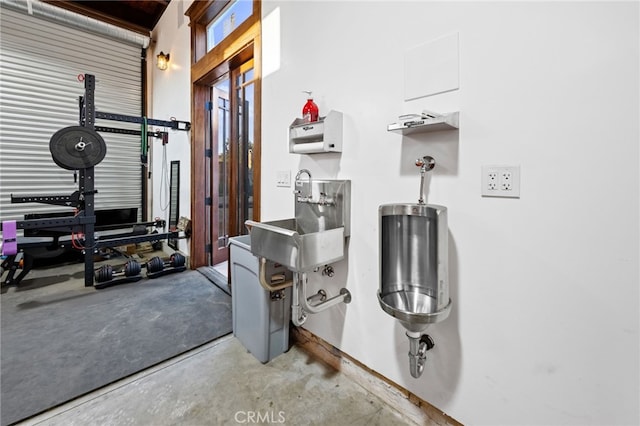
216,25
234,14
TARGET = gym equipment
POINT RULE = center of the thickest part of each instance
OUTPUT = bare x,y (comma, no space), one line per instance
81,148
157,267
12,263
106,276
44,240
9,238
77,147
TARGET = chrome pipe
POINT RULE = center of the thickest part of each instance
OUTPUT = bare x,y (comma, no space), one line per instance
344,296
422,196
310,195
418,347
425,163
298,316
321,296
416,359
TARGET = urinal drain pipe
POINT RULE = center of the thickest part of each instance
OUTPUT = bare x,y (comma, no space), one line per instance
418,347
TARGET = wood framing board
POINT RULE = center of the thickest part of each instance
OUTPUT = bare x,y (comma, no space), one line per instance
411,406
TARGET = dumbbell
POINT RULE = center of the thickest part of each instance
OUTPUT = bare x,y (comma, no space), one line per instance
106,273
156,264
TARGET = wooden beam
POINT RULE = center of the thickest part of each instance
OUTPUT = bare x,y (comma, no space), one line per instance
228,48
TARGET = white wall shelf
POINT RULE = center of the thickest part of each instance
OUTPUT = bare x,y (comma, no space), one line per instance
324,135
449,121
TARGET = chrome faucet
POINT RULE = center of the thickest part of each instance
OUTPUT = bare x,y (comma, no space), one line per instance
308,198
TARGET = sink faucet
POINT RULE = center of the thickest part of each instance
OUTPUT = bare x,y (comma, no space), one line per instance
298,178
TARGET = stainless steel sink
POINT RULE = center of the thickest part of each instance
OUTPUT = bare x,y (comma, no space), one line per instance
284,242
316,236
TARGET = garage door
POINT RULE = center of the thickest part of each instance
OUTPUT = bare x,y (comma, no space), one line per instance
40,61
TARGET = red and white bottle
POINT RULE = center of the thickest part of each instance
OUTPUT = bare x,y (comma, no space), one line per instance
310,110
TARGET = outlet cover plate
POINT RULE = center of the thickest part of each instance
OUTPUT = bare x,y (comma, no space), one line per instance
500,181
283,179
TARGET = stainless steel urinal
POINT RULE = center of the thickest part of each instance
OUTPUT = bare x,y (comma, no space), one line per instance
414,282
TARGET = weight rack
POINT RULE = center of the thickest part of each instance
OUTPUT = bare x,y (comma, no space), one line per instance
80,156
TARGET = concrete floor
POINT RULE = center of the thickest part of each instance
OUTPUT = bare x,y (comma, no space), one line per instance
219,383
222,384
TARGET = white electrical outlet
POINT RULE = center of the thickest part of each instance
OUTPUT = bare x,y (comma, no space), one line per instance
506,179
500,181
492,181
283,178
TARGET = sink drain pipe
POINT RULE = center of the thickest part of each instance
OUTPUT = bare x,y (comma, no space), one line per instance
262,278
418,347
299,313
298,316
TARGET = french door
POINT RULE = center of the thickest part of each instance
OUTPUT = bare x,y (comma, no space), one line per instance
230,170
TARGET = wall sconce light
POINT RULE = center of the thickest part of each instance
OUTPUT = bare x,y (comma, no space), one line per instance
163,61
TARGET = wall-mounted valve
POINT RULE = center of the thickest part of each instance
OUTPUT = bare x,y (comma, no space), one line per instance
425,163
328,271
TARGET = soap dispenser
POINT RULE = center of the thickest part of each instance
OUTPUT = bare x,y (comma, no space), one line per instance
310,109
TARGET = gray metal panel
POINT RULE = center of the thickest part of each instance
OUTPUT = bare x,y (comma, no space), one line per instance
39,64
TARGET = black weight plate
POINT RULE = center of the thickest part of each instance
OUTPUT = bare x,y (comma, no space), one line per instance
77,147
155,265
177,259
131,268
105,273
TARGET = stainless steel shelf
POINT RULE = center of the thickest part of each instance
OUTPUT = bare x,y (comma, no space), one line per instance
448,121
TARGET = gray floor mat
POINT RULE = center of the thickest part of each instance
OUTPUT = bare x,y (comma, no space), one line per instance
56,346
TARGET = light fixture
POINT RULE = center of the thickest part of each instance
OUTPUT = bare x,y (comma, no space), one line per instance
163,61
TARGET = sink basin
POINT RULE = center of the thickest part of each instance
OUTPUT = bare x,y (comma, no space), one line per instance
286,242
316,236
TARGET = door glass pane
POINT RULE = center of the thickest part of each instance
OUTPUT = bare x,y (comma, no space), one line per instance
245,92
221,110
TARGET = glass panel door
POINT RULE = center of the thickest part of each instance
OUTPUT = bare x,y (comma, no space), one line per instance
245,86
220,170
231,170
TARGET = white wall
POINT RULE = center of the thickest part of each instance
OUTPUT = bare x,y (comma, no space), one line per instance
170,96
544,328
